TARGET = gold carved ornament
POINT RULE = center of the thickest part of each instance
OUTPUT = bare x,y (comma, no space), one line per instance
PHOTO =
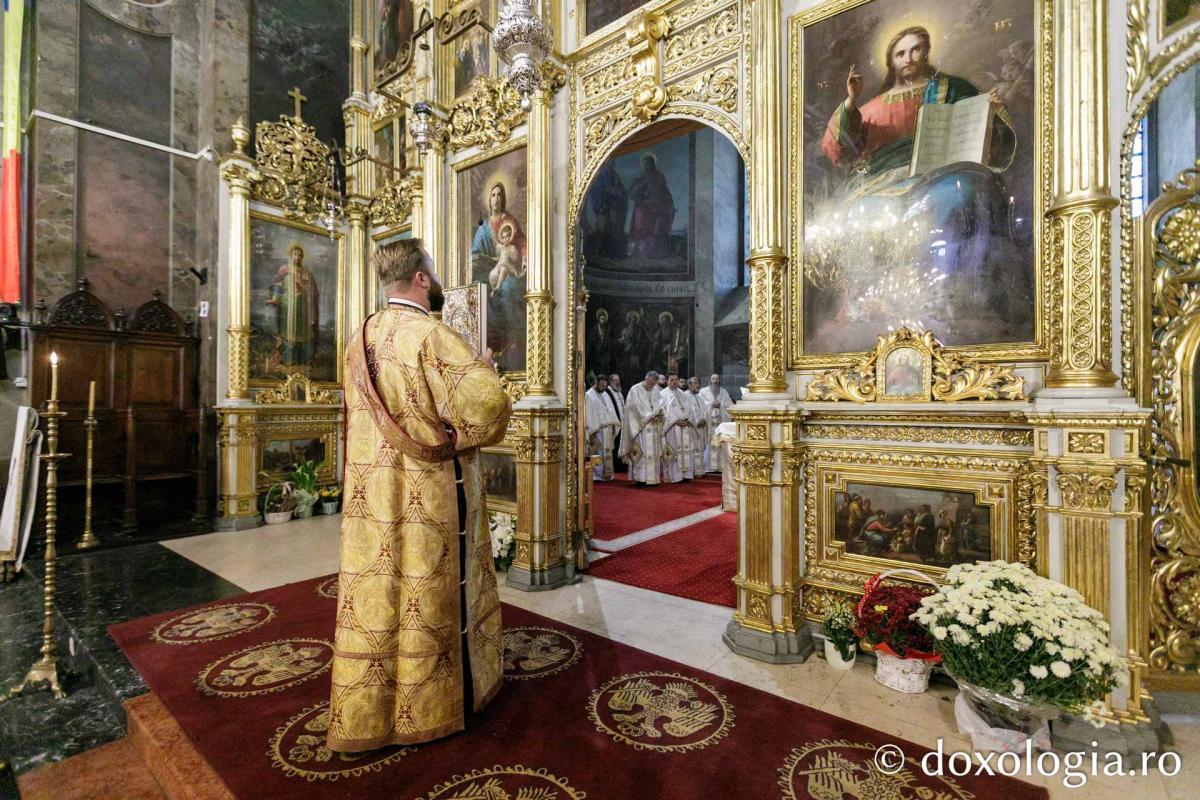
392,204
1140,66
644,35
297,388
953,377
292,165
1173,254
486,115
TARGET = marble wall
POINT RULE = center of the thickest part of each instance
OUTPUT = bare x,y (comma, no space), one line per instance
130,218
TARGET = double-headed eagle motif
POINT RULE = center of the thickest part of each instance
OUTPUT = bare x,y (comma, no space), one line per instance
531,653
676,702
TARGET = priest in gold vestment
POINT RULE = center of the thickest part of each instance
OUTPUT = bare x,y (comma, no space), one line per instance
418,643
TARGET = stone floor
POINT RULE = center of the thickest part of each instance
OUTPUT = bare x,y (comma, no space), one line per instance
191,570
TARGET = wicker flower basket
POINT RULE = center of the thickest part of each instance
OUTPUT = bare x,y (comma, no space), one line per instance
910,674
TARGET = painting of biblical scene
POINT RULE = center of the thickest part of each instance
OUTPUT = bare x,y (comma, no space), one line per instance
280,454
631,335
904,373
918,198
905,523
598,13
379,297
499,471
295,276
492,247
303,44
637,216
393,36
472,52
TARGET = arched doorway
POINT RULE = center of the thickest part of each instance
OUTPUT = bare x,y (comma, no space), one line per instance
662,243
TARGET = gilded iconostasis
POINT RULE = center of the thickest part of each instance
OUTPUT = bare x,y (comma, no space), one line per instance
958,320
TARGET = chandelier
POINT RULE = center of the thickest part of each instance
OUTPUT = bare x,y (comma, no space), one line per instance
523,41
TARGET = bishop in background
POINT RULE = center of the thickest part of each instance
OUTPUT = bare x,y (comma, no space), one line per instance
418,643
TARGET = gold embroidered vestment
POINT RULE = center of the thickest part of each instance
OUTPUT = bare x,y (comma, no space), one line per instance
398,667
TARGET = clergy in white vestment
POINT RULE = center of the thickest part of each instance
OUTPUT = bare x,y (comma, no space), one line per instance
614,388
675,425
600,417
617,398
641,432
716,402
699,427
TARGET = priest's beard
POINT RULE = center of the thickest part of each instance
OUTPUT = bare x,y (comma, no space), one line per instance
436,298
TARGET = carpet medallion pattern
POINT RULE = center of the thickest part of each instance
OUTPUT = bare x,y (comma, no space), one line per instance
843,770
270,667
505,783
213,623
328,588
583,716
668,712
298,748
535,652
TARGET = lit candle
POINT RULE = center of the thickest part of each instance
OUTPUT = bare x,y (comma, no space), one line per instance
54,376
91,398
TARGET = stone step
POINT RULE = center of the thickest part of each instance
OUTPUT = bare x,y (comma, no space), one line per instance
102,773
169,754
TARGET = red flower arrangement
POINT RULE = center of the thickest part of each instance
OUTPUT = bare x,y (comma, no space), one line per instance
883,620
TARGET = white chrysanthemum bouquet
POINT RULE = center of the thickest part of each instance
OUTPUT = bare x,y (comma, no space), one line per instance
501,528
1002,628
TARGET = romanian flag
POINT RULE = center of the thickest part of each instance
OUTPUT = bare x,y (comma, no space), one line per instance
10,152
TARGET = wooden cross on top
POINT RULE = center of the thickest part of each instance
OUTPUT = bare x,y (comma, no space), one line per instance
297,98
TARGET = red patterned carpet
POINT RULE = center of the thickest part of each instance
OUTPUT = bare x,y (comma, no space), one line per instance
247,679
697,562
620,507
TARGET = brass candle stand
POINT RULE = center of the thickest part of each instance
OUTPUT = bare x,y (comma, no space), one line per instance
46,667
89,539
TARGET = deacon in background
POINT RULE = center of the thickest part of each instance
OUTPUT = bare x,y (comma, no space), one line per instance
600,417
716,404
675,424
418,642
642,432
618,403
699,426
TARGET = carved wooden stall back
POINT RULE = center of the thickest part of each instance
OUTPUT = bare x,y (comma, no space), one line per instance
150,427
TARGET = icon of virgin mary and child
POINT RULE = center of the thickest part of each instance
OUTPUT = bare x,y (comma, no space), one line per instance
498,251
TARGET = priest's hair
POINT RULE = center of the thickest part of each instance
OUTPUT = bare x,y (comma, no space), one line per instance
398,263
651,375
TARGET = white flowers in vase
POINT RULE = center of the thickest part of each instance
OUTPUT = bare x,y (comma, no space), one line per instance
1002,628
501,528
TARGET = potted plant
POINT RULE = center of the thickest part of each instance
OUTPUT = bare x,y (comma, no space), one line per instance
279,503
1022,648
330,496
304,482
840,639
503,546
903,648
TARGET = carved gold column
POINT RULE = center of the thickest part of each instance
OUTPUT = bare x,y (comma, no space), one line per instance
238,172
767,623
1080,218
237,496
540,537
539,299
768,223
433,225
356,266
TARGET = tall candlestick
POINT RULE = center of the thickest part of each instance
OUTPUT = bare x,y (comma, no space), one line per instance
45,669
91,398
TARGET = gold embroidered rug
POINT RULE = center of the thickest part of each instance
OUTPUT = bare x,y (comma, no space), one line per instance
247,679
